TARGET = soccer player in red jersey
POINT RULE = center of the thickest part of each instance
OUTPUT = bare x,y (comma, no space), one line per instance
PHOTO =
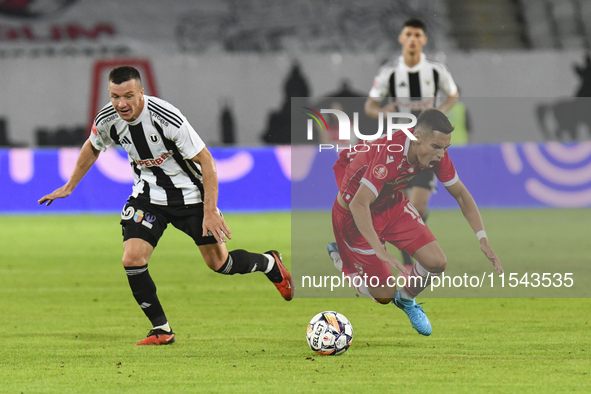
411,82
371,210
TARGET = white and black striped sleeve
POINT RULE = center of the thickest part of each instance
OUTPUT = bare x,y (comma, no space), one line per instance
177,128
187,140
446,82
99,136
381,83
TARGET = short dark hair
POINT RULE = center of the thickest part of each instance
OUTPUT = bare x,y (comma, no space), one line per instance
121,74
433,119
416,23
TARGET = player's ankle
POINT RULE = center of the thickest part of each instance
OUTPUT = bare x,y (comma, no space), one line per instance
270,264
404,294
164,327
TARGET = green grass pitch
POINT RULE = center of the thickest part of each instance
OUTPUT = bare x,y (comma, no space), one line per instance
68,321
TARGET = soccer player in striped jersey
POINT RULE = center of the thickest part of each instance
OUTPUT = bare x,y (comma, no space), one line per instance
413,80
175,182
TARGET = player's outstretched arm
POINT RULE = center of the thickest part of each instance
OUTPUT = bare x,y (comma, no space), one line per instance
472,215
360,210
212,220
88,155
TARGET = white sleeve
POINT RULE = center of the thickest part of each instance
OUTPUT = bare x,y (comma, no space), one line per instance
99,138
446,82
381,84
187,140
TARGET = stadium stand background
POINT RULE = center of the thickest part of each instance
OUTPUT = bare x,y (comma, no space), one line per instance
209,56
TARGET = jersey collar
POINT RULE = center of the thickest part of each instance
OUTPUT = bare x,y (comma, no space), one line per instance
416,66
405,155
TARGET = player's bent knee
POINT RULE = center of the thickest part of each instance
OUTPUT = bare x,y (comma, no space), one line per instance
383,301
432,258
383,295
215,255
134,260
435,264
136,252
438,265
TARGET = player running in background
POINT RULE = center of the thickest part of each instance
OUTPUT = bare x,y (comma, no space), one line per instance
413,80
370,210
175,181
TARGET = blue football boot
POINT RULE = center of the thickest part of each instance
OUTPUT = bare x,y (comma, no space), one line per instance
415,313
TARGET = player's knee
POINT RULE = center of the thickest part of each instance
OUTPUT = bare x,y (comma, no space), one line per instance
214,264
383,301
383,295
134,259
435,264
214,261
439,264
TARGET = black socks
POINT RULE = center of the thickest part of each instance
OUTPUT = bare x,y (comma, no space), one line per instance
242,262
144,292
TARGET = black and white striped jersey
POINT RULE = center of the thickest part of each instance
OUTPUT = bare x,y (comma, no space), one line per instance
160,144
415,88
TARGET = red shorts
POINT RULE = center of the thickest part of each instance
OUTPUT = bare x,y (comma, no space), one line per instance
397,223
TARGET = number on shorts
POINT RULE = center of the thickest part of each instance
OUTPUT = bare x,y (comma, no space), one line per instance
413,212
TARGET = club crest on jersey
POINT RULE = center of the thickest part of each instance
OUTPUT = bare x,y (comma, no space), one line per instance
154,138
380,171
127,213
139,216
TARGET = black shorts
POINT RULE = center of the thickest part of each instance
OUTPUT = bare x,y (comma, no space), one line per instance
426,180
147,221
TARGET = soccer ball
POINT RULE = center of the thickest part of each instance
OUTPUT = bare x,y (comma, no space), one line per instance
329,333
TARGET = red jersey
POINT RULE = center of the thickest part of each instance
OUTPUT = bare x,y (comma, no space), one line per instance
383,166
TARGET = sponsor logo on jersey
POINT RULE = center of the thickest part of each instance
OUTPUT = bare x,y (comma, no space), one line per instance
380,171
150,218
400,180
94,130
155,162
417,105
109,118
160,118
154,138
389,159
125,140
